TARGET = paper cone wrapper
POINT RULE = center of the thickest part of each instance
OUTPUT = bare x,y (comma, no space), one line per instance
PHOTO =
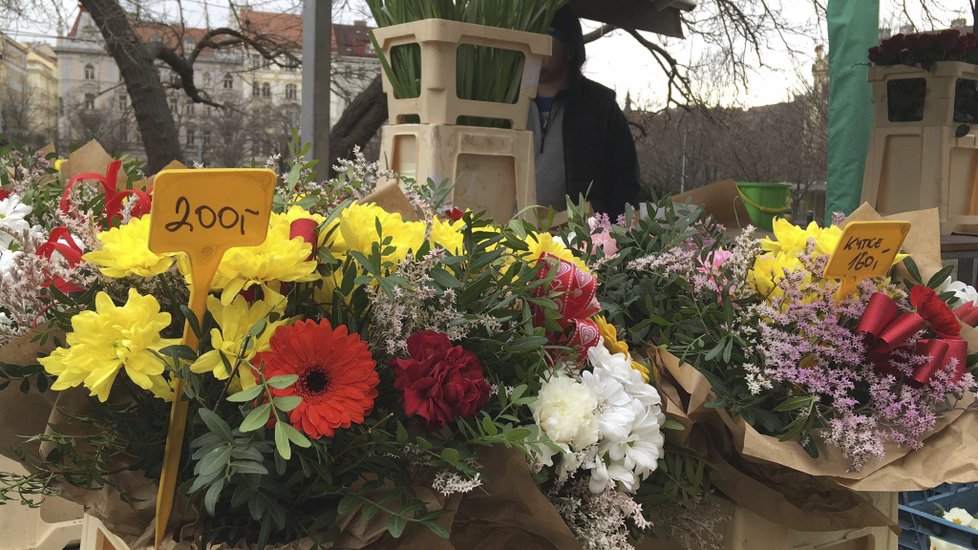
782,483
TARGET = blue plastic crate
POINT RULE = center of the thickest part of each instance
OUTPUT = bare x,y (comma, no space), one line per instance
921,516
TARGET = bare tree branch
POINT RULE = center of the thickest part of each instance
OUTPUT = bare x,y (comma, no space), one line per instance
599,32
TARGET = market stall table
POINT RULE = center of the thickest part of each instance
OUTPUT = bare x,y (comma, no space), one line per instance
964,249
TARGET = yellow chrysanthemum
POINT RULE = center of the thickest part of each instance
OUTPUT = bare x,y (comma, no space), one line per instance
358,228
235,320
792,240
609,337
448,235
278,259
125,252
544,243
109,339
782,253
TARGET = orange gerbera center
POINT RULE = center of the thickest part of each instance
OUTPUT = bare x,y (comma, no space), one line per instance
337,375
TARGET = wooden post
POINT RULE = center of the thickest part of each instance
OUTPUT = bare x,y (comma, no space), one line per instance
317,33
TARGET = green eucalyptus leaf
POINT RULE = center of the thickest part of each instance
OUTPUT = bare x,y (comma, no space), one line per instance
256,418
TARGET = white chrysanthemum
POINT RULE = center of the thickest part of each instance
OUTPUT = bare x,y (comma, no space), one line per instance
963,293
630,415
564,411
12,219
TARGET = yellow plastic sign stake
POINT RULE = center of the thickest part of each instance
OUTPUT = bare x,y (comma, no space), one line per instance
202,213
866,249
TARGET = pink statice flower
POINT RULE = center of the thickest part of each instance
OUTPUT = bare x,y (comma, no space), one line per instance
600,226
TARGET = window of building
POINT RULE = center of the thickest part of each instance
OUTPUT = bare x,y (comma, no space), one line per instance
89,72
228,82
291,91
173,105
188,45
191,137
206,138
122,103
89,101
255,61
266,90
255,89
188,109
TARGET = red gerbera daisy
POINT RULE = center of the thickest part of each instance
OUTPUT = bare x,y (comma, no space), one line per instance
337,375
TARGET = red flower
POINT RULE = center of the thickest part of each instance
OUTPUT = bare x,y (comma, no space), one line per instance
60,242
940,317
454,214
439,381
968,314
305,228
5,194
337,375
114,199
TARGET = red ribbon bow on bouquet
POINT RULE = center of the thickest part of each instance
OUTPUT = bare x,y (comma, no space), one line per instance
575,304
114,198
887,329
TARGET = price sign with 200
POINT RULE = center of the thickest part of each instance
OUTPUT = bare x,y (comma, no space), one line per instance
207,217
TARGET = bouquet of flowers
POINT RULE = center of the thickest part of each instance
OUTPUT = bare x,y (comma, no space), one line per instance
358,373
773,352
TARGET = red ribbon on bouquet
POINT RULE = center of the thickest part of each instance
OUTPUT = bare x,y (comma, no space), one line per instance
887,329
576,303
114,198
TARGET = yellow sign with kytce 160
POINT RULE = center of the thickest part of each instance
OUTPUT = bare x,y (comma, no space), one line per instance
866,249
202,213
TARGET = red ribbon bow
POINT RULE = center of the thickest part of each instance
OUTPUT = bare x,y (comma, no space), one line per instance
576,302
114,199
887,329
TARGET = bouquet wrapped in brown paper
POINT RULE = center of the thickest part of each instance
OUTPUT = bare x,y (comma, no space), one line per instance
373,375
800,395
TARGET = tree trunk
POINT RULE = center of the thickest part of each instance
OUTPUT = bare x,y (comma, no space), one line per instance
156,126
359,122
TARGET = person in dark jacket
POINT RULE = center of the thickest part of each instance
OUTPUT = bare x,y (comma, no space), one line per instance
583,142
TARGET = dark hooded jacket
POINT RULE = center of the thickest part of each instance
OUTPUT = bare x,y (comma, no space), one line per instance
599,152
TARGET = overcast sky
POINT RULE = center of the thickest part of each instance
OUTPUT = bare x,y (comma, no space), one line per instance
617,61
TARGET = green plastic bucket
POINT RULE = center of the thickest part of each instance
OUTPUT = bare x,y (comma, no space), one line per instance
764,201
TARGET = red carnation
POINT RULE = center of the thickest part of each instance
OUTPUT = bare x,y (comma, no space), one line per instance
4,194
439,381
930,306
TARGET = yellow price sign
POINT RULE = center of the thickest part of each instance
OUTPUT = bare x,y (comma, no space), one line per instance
866,249
202,213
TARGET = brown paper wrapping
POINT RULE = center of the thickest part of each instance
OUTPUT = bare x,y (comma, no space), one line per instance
390,197
507,512
781,482
90,158
720,200
23,414
750,468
